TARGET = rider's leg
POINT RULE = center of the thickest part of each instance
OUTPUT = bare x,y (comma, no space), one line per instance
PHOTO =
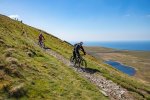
40,43
77,53
74,55
78,58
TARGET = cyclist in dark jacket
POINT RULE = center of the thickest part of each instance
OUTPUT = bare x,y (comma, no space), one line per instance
76,49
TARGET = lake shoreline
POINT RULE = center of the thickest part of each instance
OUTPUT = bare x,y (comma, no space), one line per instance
123,66
137,59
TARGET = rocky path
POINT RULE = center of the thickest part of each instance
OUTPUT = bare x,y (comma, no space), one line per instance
106,87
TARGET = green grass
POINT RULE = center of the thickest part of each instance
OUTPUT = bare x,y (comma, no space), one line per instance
42,76
56,76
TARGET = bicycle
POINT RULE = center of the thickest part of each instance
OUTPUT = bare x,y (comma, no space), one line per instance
78,61
41,44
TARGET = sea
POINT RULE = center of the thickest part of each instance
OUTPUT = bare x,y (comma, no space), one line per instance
121,45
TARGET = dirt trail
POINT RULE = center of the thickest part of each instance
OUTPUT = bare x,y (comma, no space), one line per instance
107,87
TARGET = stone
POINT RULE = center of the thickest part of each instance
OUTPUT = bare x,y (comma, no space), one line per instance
104,93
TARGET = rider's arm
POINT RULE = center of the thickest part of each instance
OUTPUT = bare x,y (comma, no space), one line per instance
83,50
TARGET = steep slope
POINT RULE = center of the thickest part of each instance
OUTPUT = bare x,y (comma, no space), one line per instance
27,68
107,87
26,71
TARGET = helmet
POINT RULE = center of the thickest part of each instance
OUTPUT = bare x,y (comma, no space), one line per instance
81,43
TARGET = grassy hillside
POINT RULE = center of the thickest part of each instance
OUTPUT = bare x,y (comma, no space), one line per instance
26,71
44,76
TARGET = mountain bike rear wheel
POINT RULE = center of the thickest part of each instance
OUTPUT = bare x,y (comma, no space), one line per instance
71,59
42,45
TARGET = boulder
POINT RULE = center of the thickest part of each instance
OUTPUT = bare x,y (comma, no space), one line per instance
17,91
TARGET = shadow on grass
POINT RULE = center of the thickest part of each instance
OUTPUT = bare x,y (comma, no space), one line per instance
47,48
90,70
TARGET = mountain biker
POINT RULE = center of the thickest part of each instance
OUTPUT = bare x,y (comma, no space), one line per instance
41,37
77,47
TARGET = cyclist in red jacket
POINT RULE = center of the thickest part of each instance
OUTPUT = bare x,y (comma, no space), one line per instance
41,38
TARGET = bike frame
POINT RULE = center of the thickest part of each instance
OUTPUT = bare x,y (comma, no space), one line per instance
41,44
78,60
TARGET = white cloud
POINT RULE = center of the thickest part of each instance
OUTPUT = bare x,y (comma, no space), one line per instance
14,16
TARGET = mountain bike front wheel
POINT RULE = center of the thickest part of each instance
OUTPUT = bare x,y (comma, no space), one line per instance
83,63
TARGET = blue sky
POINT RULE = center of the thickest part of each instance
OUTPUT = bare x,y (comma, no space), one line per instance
85,20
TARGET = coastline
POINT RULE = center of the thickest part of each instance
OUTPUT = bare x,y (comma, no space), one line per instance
119,45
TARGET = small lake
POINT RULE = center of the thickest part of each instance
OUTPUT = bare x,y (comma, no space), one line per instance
125,69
